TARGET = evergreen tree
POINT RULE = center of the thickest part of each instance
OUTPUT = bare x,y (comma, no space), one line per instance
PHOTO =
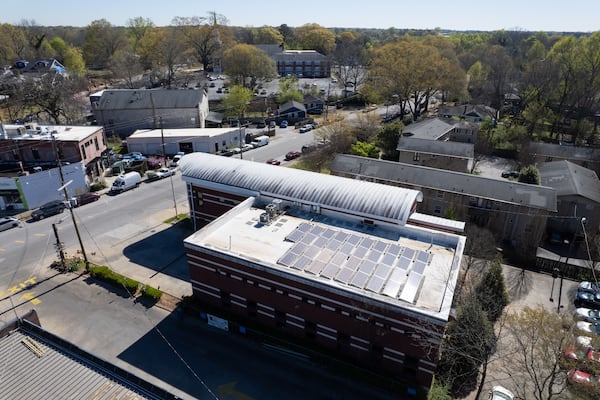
491,291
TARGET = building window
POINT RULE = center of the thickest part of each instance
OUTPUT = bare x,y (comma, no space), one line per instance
251,307
15,155
440,194
410,366
376,351
280,319
343,341
96,144
310,329
437,210
35,153
83,152
225,298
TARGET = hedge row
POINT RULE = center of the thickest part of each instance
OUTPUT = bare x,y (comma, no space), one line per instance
107,275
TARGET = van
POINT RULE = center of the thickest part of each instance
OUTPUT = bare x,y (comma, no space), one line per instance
125,182
260,141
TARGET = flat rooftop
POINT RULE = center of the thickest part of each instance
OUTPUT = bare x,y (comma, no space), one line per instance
62,133
403,270
185,132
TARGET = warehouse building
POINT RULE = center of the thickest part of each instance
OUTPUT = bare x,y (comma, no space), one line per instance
332,260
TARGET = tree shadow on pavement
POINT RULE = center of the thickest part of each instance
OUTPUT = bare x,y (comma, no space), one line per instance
518,283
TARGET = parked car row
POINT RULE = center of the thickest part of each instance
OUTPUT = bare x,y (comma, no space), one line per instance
582,359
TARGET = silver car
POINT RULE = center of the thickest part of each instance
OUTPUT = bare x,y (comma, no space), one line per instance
8,222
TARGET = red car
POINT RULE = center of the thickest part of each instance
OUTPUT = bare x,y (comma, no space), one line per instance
582,378
292,154
86,198
273,161
575,353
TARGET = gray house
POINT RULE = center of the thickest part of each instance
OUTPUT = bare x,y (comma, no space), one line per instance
123,111
578,192
587,157
442,129
468,112
515,213
453,156
292,110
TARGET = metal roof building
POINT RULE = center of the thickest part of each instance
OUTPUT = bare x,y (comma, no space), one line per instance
365,199
38,365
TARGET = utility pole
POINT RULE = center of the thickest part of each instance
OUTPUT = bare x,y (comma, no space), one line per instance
66,193
162,140
60,249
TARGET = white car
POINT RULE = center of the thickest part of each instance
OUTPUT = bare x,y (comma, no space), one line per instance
161,173
587,314
585,286
584,341
8,222
588,327
501,393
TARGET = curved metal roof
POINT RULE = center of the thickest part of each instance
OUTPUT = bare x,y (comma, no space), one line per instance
358,197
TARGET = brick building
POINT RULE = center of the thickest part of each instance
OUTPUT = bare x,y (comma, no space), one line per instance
330,260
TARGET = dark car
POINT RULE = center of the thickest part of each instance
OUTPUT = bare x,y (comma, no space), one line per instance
292,154
588,299
510,174
48,209
86,198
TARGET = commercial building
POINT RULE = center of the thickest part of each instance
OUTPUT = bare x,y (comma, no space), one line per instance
334,261
205,140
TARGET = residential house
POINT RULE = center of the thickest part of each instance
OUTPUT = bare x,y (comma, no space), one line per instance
442,129
453,156
330,261
123,111
23,147
516,213
587,157
468,112
313,104
292,111
578,196
302,63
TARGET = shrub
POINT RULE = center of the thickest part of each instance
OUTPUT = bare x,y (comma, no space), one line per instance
97,186
107,275
152,293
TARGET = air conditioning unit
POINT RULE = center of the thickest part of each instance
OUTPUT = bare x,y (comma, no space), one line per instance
271,209
265,218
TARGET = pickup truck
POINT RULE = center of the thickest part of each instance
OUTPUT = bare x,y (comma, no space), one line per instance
161,173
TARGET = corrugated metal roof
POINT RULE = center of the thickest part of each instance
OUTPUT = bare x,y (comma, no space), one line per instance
534,196
570,179
132,99
361,198
35,368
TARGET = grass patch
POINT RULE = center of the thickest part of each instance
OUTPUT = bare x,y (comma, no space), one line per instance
151,293
109,276
178,218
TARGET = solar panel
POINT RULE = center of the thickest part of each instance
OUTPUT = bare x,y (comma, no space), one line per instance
341,236
347,248
352,262
367,242
375,284
317,230
353,239
295,236
303,227
367,267
320,241
360,280
312,251
395,249
374,255
409,293
330,271
325,255
344,275
380,246
388,259
329,233
287,259
298,248
338,259
308,238
419,267
392,287
423,256
334,244
315,267
408,253
403,263
360,251
301,263
382,271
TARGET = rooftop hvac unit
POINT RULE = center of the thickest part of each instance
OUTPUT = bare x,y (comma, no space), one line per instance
265,218
277,203
271,209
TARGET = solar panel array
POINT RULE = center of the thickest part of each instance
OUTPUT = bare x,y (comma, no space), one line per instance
380,266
